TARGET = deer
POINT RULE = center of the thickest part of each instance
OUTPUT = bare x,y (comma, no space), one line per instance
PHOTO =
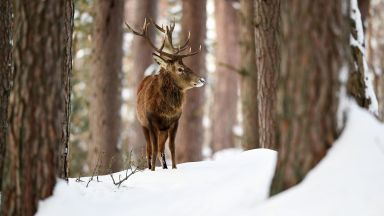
160,97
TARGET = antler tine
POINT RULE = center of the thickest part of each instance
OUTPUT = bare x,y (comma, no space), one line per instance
172,26
133,31
185,45
162,45
190,53
160,28
168,30
145,35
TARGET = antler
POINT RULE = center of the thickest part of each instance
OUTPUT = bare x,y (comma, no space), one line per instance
168,31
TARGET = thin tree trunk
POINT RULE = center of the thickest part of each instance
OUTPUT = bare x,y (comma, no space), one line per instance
225,91
267,66
249,85
141,59
5,73
105,101
36,104
360,83
375,50
190,137
364,10
66,82
314,52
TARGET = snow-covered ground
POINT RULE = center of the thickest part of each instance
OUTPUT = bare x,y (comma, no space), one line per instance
348,181
200,188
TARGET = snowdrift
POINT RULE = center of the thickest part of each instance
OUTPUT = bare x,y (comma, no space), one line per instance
348,181
200,188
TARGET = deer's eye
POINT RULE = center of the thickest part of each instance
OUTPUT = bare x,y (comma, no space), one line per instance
180,70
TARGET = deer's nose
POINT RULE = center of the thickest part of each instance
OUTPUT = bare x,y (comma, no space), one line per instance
202,80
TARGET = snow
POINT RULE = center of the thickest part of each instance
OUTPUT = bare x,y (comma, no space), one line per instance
200,188
356,16
344,100
348,181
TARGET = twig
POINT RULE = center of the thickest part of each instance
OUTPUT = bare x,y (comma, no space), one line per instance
78,179
118,183
129,167
95,170
230,67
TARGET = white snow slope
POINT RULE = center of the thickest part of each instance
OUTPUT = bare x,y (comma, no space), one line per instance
348,181
200,188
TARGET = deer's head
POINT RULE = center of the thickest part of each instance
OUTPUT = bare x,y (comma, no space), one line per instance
171,61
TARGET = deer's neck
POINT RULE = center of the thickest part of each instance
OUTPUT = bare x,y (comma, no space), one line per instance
173,94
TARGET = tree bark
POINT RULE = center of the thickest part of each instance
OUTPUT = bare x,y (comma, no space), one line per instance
66,82
249,84
267,23
364,6
190,137
225,91
141,59
105,101
315,48
359,82
375,50
5,73
36,105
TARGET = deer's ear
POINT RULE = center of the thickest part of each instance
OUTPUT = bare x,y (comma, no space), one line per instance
162,62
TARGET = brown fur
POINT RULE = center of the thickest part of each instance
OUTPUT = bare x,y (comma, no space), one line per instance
159,107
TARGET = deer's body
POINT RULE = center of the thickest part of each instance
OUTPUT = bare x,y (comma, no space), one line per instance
159,107
160,97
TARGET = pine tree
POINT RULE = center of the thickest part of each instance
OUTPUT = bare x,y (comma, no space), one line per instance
5,73
227,79
267,24
190,137
315,40
105,103
36,106
249,85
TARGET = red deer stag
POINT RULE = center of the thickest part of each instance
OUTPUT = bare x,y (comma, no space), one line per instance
160,97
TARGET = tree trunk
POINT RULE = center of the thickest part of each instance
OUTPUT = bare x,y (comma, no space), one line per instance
267,24
36,105
190,137
249,85
66,82
5,73
375,50
105,101
225,91
141,59
360,83
315,49
364,10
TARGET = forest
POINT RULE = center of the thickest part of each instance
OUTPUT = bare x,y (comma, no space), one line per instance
191,107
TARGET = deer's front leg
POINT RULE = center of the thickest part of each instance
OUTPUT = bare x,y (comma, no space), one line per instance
172,136
153,136
163,136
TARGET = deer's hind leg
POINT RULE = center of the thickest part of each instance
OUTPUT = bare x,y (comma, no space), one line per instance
148,146
162,138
